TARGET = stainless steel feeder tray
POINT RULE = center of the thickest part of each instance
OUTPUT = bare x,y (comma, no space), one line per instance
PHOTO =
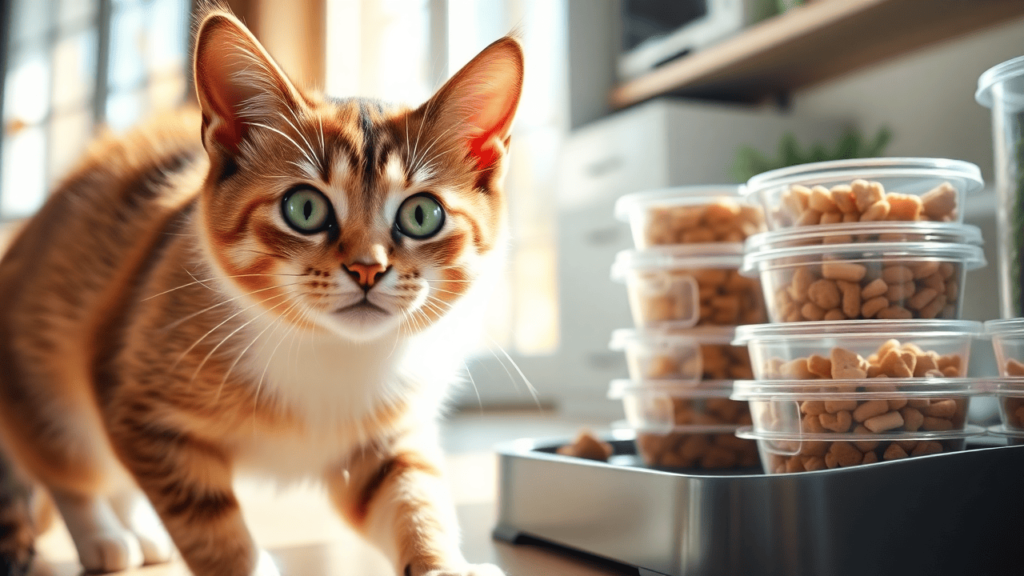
960,513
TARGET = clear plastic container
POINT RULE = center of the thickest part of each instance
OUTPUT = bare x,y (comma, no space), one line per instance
884,280
1008,343
857,349
686,286
863,407
1010,394
1001,88
689,447
861,232
786,454
683,355
664,406
689,215
865,190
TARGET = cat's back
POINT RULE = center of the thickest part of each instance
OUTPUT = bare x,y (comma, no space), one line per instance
74,263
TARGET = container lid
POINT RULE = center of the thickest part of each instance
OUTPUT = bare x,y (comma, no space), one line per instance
692,336
686,257
1002,430
947,232
1012,69
868,169
1011,326
972,257
853,329
874,388
674,388
749,433
680,429
678,196
1005,386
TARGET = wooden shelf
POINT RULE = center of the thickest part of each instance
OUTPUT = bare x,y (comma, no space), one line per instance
813,43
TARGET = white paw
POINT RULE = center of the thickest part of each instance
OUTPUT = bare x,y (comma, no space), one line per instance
468,570
137,514
111,551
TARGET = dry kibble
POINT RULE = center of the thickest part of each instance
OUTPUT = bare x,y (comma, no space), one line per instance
687,450
870,409
587,446
874,288
842,195
894,452
831,218
939,202
897,274
846,365
887,421
819,366
845,454
877,211
851,298
873,306
922,298
904,207
838,422
835,314
836,406
724,220
941,409
843,271
866,193
1014,368
824,294
900,292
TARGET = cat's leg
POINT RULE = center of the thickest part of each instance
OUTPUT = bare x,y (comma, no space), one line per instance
103,544
56,434
137,515
397,497
188,481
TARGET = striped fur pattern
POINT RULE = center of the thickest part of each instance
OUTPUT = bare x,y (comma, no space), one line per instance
163,326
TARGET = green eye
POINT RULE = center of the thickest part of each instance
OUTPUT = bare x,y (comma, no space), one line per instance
306,210
420,216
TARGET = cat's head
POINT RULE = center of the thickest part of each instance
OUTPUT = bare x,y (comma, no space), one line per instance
352,215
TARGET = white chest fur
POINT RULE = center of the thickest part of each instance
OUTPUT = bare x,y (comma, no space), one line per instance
333,384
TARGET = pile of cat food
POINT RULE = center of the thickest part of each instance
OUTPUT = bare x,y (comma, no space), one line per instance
686,295
691,215
905,190
863,275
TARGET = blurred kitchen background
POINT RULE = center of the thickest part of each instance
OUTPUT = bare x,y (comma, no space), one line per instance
621,96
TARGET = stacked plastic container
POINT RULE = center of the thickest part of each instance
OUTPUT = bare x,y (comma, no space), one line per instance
687,297
1008,340
865,356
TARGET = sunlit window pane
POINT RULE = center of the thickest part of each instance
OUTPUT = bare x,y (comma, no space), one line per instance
69,135
167,92
24,173
74,67
76,12
127,48
27,88
166,36
124,109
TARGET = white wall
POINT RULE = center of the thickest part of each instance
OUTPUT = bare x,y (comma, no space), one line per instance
927,97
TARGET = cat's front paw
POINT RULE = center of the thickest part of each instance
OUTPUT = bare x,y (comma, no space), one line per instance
467,570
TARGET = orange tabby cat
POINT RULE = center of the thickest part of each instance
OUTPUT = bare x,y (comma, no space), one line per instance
285,295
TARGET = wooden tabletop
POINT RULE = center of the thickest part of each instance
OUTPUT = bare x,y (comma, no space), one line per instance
299,528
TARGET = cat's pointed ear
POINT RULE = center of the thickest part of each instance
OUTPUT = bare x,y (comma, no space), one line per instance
478,103
237,82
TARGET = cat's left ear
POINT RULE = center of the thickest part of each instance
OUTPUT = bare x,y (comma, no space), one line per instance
478,103
237,82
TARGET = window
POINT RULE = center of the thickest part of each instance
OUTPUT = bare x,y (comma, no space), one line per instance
75,65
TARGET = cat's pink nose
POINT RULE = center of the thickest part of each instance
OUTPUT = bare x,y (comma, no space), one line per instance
366,275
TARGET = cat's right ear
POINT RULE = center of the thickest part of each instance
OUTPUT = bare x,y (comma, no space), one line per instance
237,82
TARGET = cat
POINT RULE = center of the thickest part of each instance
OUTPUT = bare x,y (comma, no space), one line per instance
275,282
